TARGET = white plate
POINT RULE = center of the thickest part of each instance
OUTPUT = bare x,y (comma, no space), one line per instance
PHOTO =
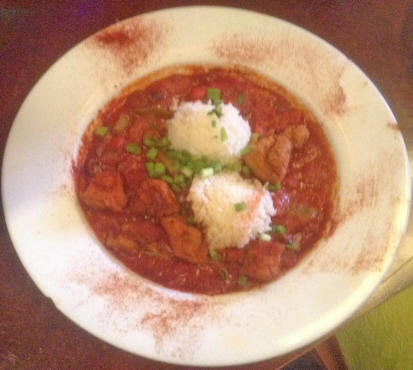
65,260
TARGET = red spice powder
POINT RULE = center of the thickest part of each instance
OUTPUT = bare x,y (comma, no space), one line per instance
175,323
130,44
394,126
235,48
323,80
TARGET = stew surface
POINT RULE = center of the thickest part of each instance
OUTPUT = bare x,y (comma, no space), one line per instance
133,187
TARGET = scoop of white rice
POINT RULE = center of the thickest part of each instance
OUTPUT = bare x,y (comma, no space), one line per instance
192,129
213,203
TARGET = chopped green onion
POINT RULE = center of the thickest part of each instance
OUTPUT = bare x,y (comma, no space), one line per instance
191,221
207,172
254,137
230,167
187,171
213,123
214,95
149,142
167,179
246,150
150,167
101,131
224,135
164,142
240,99
241,206
176,165
292,246
179,179
214,255
152,153
197,165
224,273
159,169
278,229
274,187
172,154
175,188
242,280
264,237
245,170
217,167
133,148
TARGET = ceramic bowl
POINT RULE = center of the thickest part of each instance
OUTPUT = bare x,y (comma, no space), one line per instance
62,255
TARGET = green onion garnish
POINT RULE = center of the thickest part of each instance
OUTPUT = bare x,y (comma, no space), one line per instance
167,179
149,167
274,187
241,206
214,95
254,137
264,237
164,142
224,273
191,221
179,179
159,169
149,142
172,154
175,188
133,148
224,135
242,280
240,99
152,153
214,255
217,167
187,171
213,123
101,131
246,150
207,172
230,167
292,246
278,229
245,170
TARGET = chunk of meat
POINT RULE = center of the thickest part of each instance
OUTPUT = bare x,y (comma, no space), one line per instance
143,232
155,198
263,260
198,93
186,241
269,157
105,191
158,249
297,134
121,242
279,156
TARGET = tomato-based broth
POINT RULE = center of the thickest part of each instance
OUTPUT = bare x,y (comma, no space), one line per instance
206,180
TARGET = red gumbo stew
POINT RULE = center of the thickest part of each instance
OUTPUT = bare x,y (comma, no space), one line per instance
133,185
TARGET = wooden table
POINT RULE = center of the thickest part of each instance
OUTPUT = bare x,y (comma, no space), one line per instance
376,35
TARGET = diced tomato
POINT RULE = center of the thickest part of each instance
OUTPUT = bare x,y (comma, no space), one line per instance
198,93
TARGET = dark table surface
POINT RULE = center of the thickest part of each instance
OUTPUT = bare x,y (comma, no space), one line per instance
376,35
